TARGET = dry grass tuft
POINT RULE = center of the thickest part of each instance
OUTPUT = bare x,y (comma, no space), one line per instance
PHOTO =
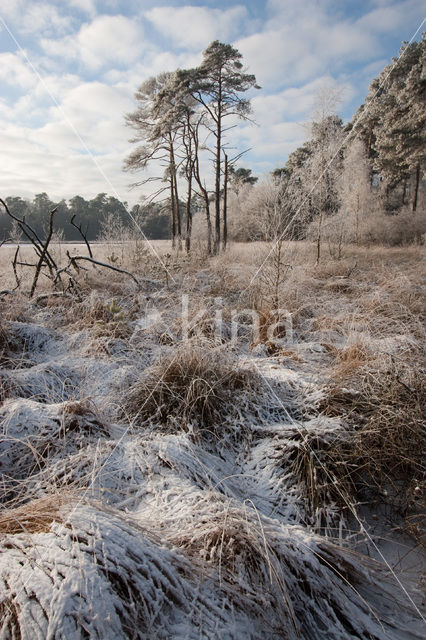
350,358
318,463
196,383
35,516
82,416
387,413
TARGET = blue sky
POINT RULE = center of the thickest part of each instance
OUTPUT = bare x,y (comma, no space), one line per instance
69,69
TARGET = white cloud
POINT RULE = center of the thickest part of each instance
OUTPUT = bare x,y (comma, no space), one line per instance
15,71
154,62
43,18
195,27
11,8
287,104
302,40
93,112
393,17
286,54
105,40
33,168
88,6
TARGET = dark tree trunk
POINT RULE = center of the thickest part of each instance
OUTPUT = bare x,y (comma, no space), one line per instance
178,221
218,164
172,212
225,204
189,214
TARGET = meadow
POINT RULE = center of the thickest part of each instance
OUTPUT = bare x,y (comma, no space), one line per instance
232,447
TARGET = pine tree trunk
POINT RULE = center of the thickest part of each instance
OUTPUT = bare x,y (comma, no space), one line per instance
172,212
196,173
188,215
218,164
225,204
178,229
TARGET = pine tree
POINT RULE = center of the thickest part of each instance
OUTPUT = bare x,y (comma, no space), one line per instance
396,108
157,131
217,84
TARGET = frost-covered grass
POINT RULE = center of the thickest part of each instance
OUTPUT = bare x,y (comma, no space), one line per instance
159,488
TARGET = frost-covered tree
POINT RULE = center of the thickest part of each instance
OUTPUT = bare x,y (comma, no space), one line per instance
393,119
356,208
239,177
217,85
157,131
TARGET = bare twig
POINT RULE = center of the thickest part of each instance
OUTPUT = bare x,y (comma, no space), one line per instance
14,262
32,236
43,255
83,235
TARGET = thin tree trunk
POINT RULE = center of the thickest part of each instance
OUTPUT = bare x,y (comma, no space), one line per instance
225,204
196,172
416,188
319,237
178,221
172,212
178,216
189,214
218,164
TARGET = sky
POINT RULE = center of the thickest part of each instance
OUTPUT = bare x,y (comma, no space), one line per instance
69,70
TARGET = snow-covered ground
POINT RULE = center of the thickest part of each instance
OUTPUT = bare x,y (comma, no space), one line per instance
116,527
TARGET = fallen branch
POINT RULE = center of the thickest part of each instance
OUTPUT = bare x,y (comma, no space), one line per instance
53,294
73,259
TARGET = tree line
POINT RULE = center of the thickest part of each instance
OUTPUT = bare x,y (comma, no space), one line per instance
96,217
360,182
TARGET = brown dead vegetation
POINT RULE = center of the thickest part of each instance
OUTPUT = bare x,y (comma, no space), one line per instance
386,411
35,516
195,383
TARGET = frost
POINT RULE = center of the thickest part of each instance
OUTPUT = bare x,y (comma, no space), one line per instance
112,529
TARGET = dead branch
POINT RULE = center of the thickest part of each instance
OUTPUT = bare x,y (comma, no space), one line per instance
74,259
83,235
31,235
14,262
52,294
43,255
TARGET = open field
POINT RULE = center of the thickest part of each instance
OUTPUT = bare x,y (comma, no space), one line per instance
232,449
